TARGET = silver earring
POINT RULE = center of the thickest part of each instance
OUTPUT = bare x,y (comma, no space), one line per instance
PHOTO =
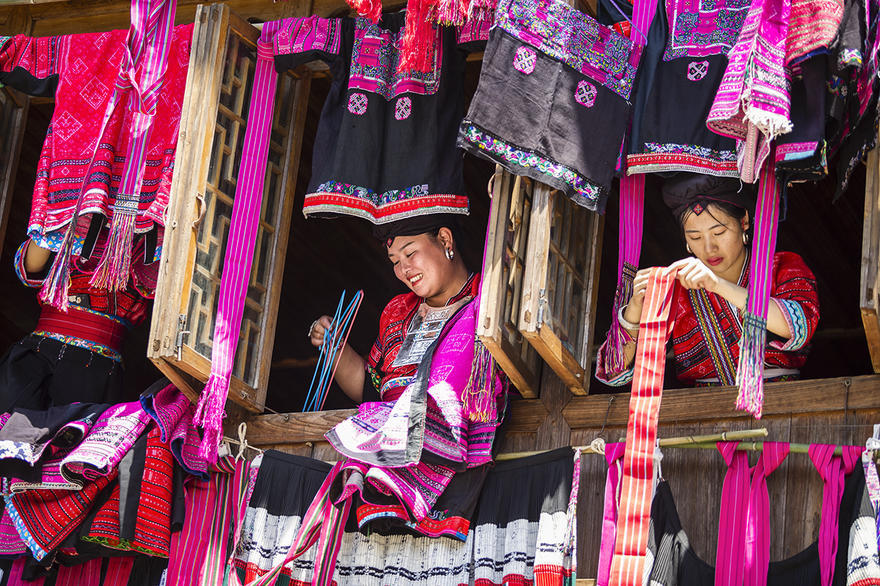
745,239
688,247
449,254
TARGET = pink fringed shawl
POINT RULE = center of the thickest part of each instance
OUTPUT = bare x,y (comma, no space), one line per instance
753,104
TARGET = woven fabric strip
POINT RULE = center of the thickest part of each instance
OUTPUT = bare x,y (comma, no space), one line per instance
631,542
833,469
729,568
719,351
757,535
613,455
750,372
240,244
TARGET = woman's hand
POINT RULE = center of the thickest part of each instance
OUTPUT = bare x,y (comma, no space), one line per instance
693,274
633,311
317,330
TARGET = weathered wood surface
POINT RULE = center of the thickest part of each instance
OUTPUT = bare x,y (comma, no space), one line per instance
869,292
714,403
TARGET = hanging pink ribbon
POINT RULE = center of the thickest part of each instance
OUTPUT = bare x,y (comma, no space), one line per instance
613,455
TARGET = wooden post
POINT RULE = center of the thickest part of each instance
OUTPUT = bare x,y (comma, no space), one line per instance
869,292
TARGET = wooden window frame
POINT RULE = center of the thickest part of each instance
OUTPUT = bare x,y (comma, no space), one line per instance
168,348
506,241
573,369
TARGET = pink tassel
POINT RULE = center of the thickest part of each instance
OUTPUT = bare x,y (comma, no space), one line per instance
370,9
419,37
478,398
57,282
750,372
482,10
452,12
209,416
113,272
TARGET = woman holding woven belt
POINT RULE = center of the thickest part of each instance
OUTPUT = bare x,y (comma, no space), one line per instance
714,216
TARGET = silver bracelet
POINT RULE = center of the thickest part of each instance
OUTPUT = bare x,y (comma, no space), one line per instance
623,321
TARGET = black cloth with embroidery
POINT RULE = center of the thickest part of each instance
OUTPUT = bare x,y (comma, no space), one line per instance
385,146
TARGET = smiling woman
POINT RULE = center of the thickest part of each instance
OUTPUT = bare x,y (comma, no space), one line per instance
714,216
424,257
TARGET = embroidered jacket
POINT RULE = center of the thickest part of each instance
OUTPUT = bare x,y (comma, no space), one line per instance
707,330
394,322
80,71
128,307
385,146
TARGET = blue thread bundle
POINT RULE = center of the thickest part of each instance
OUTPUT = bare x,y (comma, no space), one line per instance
334,341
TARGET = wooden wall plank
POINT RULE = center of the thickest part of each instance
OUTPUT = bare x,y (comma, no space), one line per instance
869,292
708,403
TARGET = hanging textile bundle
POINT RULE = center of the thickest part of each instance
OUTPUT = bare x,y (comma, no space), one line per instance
478,397
631,225
140,80
753,103
240,245
750,372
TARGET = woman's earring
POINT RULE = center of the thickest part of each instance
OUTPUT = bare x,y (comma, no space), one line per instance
449,254
745,239
688,247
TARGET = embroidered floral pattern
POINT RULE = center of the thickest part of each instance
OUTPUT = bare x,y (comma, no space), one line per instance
524,60
403,108
99,349
357,104
374,60
585,94
515,157
370,195
574,38
693,150
697,70
849,58
703,27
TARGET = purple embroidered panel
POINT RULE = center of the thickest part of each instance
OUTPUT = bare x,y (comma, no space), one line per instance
525,59
699,28
697,70
574,38
402,108
374,59
585,94
300,35
357,103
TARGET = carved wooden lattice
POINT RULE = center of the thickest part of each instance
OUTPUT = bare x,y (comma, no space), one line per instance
559,293
503,270
213,125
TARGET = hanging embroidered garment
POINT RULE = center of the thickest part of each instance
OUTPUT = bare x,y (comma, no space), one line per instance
93,98
553,99
687,53
173,413
802,154
385,147
677,563
753,104
523,531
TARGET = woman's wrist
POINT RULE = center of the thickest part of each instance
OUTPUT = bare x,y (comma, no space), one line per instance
625,323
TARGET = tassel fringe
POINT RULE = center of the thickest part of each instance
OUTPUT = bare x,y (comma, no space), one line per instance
57,282
750,373
209,416
418,43
113,272
370,9
614,349
478,398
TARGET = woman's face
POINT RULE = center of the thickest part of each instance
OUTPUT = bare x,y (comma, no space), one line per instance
420,263
716,238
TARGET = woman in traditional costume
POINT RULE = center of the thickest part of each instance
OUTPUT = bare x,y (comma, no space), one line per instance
708,307
431,396
75,355
424,256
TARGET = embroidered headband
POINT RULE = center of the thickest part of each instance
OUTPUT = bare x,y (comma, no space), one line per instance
692,191
415,226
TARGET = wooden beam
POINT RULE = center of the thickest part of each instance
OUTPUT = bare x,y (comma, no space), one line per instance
869,291
296,428
713,403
